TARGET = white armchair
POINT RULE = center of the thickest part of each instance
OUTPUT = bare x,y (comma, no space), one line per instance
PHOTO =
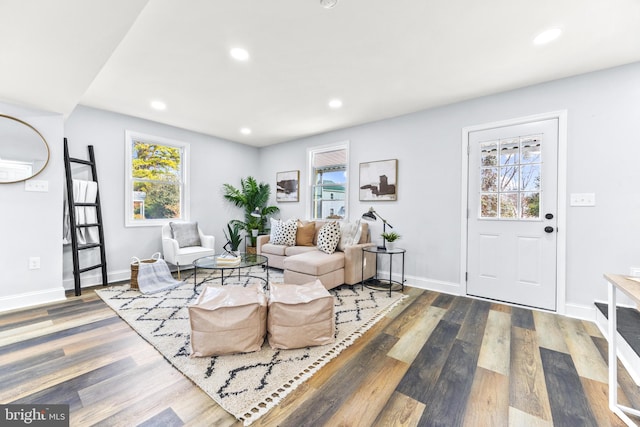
184,242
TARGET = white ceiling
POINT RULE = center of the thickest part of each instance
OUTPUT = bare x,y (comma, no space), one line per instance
382,58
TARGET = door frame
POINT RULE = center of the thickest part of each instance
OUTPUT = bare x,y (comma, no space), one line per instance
561,214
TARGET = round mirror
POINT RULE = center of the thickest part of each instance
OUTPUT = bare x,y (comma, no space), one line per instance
24,152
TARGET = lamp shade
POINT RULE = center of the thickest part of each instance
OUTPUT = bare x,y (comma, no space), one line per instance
369,216
256,213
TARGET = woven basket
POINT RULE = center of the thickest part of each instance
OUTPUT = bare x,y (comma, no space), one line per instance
134,267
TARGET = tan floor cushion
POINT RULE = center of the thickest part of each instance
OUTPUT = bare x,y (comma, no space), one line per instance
300,315
228,319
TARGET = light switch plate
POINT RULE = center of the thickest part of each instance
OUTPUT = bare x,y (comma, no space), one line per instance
582,199
36,185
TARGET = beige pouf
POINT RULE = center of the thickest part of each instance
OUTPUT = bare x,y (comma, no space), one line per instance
228,319
300,315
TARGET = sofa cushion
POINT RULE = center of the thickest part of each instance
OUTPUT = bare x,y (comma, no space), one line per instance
328,237
185,233
270,248
305,233
315,263
364,232
329,280
295,250
283,232
349,234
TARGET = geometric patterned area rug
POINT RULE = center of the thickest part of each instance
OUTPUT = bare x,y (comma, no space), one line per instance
246,385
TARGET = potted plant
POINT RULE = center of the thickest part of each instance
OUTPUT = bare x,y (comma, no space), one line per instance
390,237
252,197
233,237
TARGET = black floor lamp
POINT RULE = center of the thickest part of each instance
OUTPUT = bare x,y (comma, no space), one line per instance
372,215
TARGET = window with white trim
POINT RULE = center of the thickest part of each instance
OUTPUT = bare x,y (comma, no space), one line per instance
328,168
156,187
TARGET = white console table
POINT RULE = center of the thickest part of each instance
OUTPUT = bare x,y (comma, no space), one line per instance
630,288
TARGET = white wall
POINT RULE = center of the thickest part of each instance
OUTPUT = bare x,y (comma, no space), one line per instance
603,148
213,162
31,224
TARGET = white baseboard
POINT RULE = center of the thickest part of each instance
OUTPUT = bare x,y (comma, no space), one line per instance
577,311
29,299
582,312
95,279
88,280
627,356
423,283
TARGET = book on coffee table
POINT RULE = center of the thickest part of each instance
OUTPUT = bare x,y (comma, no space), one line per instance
228,260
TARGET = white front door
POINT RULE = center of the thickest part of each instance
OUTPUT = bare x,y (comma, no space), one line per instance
512,213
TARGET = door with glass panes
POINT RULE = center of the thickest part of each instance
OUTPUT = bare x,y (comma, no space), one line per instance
512,208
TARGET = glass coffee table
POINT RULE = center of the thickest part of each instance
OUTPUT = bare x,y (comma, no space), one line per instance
246,261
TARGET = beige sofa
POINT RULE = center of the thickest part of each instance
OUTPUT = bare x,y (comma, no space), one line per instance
304,264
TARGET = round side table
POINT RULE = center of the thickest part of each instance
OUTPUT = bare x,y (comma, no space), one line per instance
378,283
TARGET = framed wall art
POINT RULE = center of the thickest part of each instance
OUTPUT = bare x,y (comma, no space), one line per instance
378,180
288,186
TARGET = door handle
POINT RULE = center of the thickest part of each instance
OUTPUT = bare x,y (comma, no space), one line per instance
548,229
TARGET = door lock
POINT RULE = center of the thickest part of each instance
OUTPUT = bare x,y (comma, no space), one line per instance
549,216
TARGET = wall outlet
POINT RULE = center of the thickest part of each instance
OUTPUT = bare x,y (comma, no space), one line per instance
34,263
634,272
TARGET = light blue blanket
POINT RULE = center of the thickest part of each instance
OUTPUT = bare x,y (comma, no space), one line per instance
155,277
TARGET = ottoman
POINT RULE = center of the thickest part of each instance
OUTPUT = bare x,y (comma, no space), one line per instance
228,319
300,316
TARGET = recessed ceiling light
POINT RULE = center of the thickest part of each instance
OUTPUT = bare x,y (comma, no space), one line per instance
239,54
547,36
335,103
245,131
328,4
158,105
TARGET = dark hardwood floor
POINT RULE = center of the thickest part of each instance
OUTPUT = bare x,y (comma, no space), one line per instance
628,321
435,360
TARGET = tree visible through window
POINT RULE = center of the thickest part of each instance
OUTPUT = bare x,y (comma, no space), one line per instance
510,178
156,184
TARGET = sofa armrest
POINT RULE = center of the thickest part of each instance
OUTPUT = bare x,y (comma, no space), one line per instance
261,240
353,263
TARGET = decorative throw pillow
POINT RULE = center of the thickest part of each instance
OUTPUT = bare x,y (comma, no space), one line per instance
283,232
305,233
350,233
328,237
275,228
186,233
